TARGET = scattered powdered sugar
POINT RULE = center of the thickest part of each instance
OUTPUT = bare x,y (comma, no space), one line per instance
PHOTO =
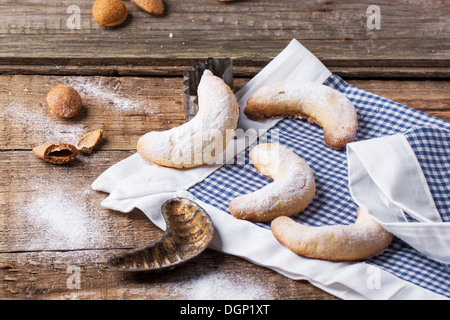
37,123
217,286
61,219
37,120
105,92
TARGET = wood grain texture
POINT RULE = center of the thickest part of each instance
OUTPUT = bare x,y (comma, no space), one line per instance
127,107
45,275
124,108
413,36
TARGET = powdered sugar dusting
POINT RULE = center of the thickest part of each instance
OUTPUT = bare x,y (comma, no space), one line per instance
107,94
63,220
217,286
316,102
57,218
356,241
39,124
190,144
292,190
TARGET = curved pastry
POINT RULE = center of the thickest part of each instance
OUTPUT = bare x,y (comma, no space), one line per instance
291,191
202,139
358,241
318,103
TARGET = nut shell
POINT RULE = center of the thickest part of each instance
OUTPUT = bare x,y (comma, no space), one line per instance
155,7
109,13
57,153
88,142
189,230
64,101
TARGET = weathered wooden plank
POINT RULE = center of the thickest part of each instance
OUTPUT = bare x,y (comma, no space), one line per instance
238,20
51,207
124,108
127,107
412,34
212,275
25,49
116,70
428,96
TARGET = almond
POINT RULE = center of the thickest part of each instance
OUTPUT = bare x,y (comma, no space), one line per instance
155,7
64,101
58,153
87,143
109,13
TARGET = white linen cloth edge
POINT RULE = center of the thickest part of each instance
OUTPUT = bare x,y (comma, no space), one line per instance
386,180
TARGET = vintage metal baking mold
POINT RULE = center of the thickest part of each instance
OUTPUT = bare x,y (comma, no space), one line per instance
189,230
222,68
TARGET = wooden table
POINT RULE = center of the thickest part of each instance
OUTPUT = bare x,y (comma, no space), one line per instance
52,227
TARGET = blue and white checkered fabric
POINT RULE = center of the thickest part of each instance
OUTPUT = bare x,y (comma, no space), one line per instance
333,204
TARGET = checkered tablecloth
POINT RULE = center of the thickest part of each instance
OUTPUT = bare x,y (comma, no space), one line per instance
428,136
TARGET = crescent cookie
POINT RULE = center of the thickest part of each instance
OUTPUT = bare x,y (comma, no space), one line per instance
318,103
358,241
202,139
292,189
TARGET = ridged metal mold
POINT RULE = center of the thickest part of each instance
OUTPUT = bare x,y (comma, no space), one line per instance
189,231
222,68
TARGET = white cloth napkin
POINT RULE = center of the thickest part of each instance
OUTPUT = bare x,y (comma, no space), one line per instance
134,183
386,179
